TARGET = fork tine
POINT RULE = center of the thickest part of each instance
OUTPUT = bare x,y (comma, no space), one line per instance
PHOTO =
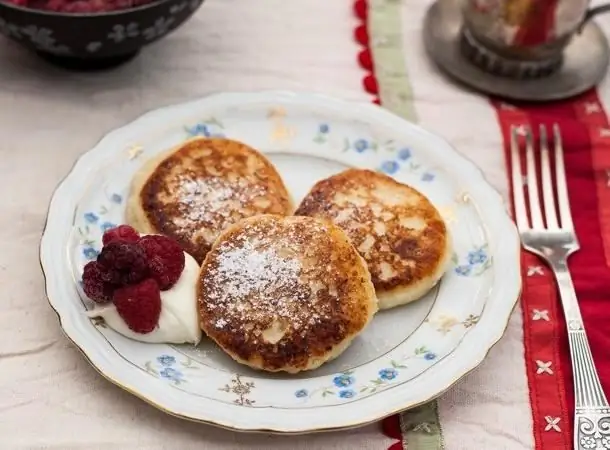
517,178
532,181
562,188
547,182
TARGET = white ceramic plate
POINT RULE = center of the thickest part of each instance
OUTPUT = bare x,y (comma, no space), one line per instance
407,356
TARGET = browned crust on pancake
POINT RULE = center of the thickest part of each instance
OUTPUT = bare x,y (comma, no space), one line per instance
412,254
252,186
327,299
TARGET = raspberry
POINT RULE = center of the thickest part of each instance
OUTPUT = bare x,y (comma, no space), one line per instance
93,284
139,305
77,7
123,233
124,4
165,259
55,5
123,263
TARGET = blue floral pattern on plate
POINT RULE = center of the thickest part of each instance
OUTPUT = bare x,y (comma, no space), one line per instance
343,380
91,217
321,135
476,263
347,393
346,386
169,373
107,226
301,393
210,128
166,360
388,374
394,159
168,368
402,160
94,225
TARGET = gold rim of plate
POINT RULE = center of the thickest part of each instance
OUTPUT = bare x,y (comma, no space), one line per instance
357,424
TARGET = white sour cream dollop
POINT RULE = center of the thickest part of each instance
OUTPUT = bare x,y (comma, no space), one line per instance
179,319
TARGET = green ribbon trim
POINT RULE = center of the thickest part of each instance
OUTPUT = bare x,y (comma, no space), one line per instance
420,427
385,43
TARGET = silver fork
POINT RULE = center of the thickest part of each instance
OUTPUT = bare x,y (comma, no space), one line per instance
552,237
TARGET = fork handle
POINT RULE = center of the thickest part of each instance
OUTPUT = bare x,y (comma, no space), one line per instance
592,415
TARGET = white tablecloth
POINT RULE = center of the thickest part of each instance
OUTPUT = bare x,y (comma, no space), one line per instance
49,395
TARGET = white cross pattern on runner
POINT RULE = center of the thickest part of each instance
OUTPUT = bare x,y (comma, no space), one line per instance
552,423
424,426
604,132
540,315
592,107
534,270
544,367
521,130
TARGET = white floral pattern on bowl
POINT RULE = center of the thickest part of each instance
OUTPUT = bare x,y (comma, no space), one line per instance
117,35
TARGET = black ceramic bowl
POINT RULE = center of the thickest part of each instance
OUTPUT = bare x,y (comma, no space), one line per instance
93,41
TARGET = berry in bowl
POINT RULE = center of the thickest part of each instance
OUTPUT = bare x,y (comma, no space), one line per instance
91,34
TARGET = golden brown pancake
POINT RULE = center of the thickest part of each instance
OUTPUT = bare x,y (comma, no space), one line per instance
284,293
395,228
201,187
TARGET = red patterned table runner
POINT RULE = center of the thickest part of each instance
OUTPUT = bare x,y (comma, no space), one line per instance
583,124
586,137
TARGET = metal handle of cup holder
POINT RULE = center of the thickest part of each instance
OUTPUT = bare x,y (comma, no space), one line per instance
592,12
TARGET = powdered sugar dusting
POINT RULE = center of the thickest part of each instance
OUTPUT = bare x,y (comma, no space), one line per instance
253,270
213,199
210,192
258,278
220,323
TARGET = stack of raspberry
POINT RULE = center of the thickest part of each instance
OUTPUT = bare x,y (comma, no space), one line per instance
131,271
79,6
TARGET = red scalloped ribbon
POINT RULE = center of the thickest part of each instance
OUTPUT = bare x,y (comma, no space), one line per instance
365,57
